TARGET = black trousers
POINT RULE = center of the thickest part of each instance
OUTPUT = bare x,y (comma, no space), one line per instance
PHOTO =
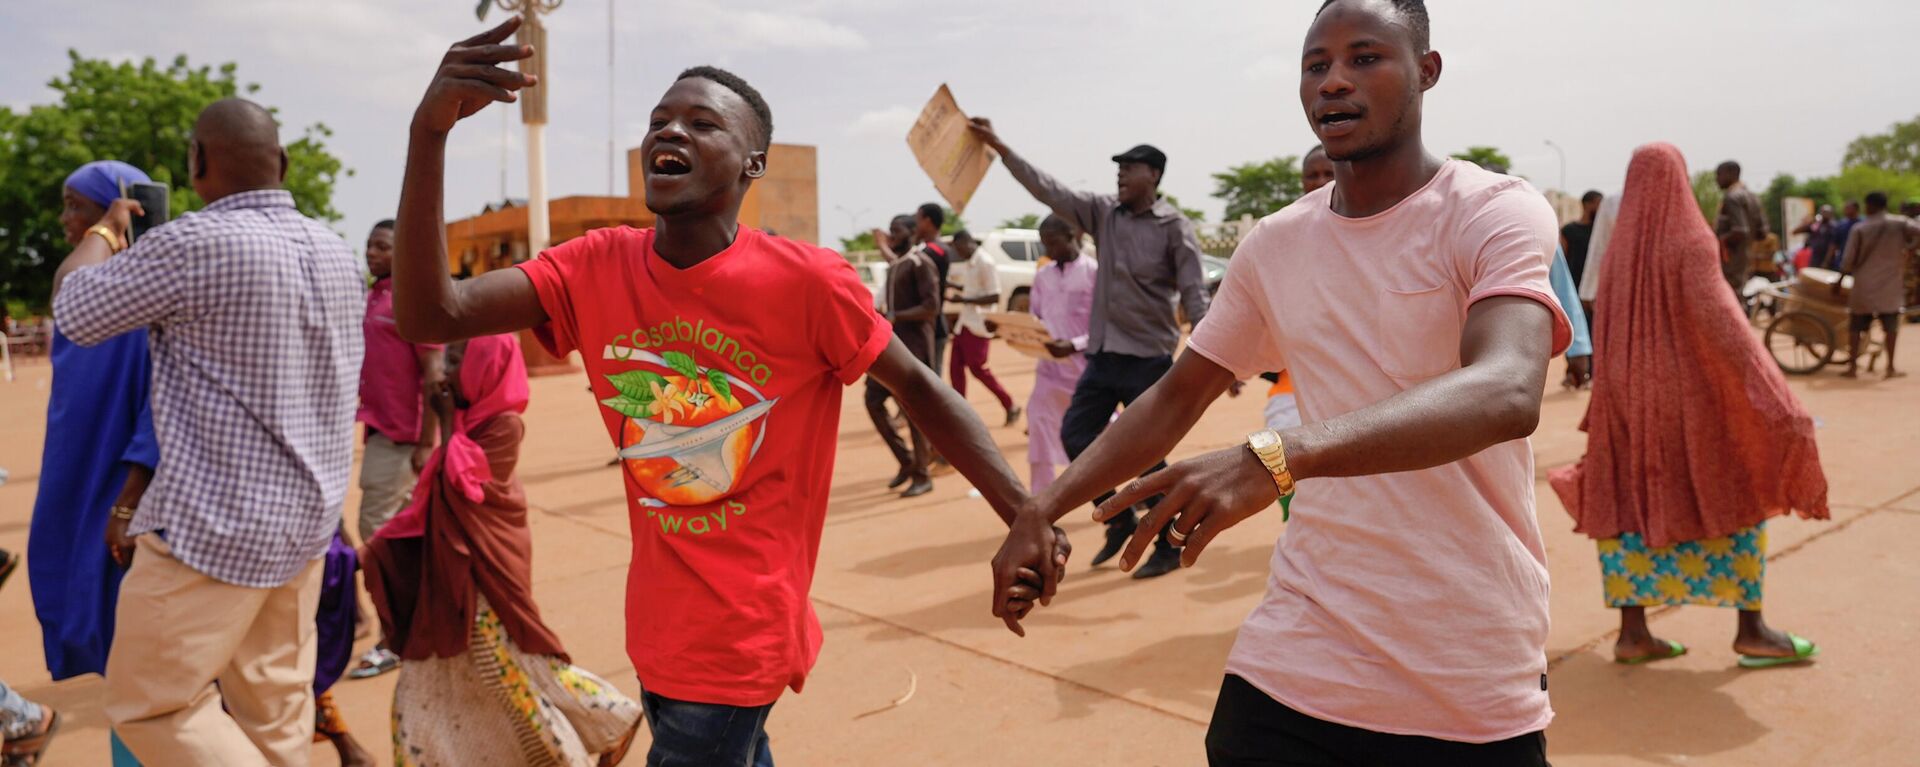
1111,381
915,458
1251,729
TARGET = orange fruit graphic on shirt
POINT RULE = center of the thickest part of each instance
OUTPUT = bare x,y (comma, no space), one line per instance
680,402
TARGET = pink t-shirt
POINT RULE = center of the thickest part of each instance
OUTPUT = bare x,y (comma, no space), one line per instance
390,398
1412,603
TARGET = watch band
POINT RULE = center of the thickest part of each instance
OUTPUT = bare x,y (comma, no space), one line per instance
113,240
124,513
1271,450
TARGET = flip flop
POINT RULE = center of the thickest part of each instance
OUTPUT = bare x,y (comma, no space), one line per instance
375,662
1803,651
1674,650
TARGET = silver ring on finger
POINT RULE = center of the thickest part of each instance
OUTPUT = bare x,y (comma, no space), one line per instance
1176,537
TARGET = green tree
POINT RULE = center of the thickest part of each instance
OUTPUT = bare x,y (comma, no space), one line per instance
138,113
1028,221
1856,181
1259,188
1896,150
1706,192
1485,156
1196,215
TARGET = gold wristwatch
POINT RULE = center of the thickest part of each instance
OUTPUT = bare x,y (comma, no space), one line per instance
124,513
114,244
1267,447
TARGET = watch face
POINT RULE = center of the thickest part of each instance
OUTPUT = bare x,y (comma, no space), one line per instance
1262,440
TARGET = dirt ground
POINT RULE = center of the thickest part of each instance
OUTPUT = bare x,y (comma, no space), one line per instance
1120,672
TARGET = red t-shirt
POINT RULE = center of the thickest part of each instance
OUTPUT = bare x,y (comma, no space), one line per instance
721,385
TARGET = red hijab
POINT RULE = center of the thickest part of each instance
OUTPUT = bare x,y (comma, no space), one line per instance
1692,432
465,535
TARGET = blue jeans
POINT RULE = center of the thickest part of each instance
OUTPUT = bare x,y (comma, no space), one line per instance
706,734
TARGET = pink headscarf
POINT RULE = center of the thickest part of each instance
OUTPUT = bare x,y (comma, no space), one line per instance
1692,432
493,380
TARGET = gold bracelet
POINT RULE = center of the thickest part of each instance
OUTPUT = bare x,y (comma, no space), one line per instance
124,513
114,244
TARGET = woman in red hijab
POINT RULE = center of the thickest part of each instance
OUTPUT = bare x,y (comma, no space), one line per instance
1694,440
482,678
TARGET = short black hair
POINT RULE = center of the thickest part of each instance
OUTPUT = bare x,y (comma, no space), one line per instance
1729,167
1417,21
1877,200
1316,148
1057,224
962,235
1592,195
934,213
385,223
739,86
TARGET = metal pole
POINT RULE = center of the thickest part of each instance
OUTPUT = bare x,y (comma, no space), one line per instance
610,92
1563,163
538,232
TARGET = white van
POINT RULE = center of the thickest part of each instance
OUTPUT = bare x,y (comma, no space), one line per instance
1016,254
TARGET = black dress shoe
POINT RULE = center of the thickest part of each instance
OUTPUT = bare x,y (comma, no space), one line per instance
902,478
918,488
1165,559
1118,533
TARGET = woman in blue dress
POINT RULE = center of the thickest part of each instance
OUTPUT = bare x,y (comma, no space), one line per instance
99,456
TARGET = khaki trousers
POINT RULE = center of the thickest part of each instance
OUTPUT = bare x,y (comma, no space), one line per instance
180,631
386,482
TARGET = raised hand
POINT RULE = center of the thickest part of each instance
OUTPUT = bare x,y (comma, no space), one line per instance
469,79
1204,496
119,216
983,129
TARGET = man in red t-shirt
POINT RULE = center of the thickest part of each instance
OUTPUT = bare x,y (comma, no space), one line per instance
718,355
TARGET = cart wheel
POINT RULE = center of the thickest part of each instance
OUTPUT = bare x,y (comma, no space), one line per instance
1800,342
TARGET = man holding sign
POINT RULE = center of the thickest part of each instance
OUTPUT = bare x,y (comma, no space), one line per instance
1147,253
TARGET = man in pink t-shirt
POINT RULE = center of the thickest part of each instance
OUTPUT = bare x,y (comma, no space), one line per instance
1405,619
717,355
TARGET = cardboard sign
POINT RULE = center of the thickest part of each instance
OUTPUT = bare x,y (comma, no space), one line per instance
947,150
1023,333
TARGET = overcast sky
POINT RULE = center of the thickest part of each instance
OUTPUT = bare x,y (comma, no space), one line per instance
1780,86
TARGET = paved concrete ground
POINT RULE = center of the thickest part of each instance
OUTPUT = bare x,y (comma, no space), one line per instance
1124,673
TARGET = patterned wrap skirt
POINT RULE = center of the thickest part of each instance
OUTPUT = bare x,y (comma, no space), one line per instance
1718,572
497,705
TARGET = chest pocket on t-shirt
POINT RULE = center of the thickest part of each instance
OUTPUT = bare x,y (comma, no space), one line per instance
1417,332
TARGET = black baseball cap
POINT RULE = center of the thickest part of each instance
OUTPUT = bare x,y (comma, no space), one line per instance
1146,155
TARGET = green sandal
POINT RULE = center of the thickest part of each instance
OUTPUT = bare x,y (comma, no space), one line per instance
1803,651
1674,650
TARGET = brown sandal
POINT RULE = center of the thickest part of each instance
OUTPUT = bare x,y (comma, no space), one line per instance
26,752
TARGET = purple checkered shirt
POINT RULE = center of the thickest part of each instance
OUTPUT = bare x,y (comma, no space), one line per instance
255,316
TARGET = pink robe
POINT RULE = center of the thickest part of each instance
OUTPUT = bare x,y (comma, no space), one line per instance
1062,300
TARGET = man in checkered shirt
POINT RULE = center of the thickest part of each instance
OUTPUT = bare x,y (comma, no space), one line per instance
255,314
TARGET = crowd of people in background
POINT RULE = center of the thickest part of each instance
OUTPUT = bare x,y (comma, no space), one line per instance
1404,310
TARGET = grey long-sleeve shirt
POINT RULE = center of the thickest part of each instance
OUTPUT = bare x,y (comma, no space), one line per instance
1145,259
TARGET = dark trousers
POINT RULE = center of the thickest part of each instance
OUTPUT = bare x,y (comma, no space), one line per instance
970,356
913,459
1111,380
706,734
1251,729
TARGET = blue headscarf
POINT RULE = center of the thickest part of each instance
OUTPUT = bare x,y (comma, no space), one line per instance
100,180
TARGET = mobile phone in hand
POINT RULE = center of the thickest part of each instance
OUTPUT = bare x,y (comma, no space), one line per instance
153,199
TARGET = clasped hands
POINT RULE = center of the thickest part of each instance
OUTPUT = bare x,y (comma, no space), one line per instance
1201,497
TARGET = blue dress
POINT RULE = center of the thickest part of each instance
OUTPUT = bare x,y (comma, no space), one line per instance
98,423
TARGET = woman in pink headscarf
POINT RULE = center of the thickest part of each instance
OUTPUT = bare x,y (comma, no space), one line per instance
1694,440
482,679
